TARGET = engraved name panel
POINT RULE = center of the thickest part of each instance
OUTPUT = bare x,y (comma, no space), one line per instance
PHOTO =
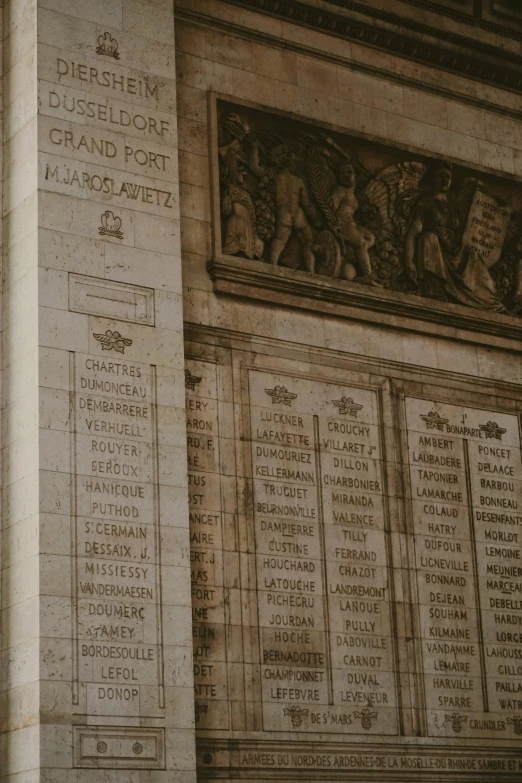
209,628
324,590
117,593
466,496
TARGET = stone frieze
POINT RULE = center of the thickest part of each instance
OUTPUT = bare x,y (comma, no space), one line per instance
341,208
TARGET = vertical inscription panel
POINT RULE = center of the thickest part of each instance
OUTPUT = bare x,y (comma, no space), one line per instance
324,593
466,493
115,516
206,547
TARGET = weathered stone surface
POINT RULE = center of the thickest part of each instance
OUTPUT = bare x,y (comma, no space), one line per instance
96,684
261,477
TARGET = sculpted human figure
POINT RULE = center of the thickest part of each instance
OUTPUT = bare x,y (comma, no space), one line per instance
238,208
293,207
346,204
431,232
434,257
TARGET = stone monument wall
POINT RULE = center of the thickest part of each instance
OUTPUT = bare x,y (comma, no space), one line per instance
353,430
261,391
355,566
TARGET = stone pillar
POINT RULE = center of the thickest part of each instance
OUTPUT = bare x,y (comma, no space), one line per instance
96,619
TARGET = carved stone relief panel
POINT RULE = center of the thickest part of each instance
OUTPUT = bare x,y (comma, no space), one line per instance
374,221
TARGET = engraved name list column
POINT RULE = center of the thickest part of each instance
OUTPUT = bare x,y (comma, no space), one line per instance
323,561
113,467
118,655
465,470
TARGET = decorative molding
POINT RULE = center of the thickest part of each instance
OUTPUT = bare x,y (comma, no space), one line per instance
466,17
340,299
505,71
475,18
225,755
258,36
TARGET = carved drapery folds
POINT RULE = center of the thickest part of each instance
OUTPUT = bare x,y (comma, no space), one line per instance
294,195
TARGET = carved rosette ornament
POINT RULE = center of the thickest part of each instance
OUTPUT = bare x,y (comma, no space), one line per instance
296,714
333,206
366,716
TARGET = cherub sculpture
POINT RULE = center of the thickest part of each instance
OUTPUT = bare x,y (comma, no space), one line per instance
357,237
384,191
283,206
339,204
426,217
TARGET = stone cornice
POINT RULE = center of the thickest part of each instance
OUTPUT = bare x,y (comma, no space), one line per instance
473,20
252,280
183,12
457,54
